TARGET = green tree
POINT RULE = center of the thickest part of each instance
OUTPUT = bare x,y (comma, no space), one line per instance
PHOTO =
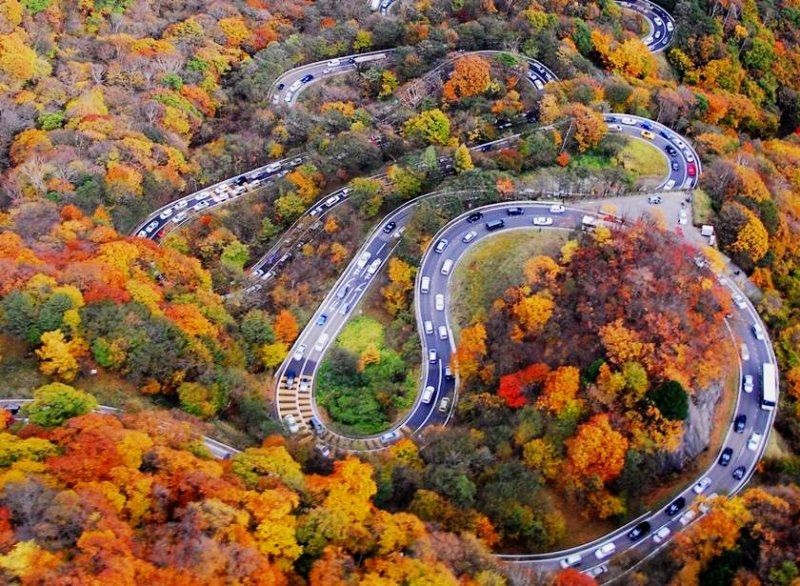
256,328
289,207
55,403
405,180
672,400
235,255
431,126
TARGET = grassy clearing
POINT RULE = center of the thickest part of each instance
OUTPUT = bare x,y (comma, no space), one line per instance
642,159
360,333
701,208
490,268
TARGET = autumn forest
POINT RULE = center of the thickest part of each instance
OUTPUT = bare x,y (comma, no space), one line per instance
585,359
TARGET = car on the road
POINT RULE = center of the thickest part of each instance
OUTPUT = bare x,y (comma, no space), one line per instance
658,21
469,236
671,151
701,485
757,331
258,272
323,449
639,531
425,285
675,166
306,78
474,217
648,135
447,266
444,404
178,218
542,221
486,148
320,345
748,383
181,204
165,214
374,266
334,63
675,506
738,474
442,332
661,535
740,423
151,226
433,355
538,84
688,154
322,319
739,301
201,205
428,326
605,550
343,291
296,162
571,561
670,26
298,354
288,97
291,423
142,234
345,308
745,352
515,211
691,169
688,517
557,208
725,457
683,218
615,127
439,302
441,245
389,437
627,120
655,199
363,260
427,394
665,134
669,185
596,571
754,441
387,229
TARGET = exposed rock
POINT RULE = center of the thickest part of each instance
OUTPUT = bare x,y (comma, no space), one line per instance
696,429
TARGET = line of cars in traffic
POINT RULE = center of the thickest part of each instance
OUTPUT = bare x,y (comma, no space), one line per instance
179,211
648,131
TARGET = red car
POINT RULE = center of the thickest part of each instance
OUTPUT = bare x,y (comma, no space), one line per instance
691,169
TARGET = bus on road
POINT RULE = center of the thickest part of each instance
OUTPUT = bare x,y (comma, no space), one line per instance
769,387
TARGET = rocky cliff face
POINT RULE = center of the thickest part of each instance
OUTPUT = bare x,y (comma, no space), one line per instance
696,429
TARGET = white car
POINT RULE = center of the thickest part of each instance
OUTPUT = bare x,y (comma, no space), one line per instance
469,236
758,332
427,394
151,226
571,561
661,534
295,86
288,97
373,268
542,221
142,234
557,208
596,571
444,404
178,218
165,214
219,189
439,301
433,355
298,354
276,99
683,219
605,550
658,20
739,301
745,352
748,383
181,204
201,205
629,121
688,517
647,40
334,63
538,83
205,194
701,485
615,127
363,260
754,441
670,26
669,185
291,423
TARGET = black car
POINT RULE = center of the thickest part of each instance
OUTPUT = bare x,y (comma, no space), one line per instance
738,474
307,78
503,124
486,148
281,86
389,227
725,457
639,531
675,506
675,166
474,217
671,150
517,211
740,423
